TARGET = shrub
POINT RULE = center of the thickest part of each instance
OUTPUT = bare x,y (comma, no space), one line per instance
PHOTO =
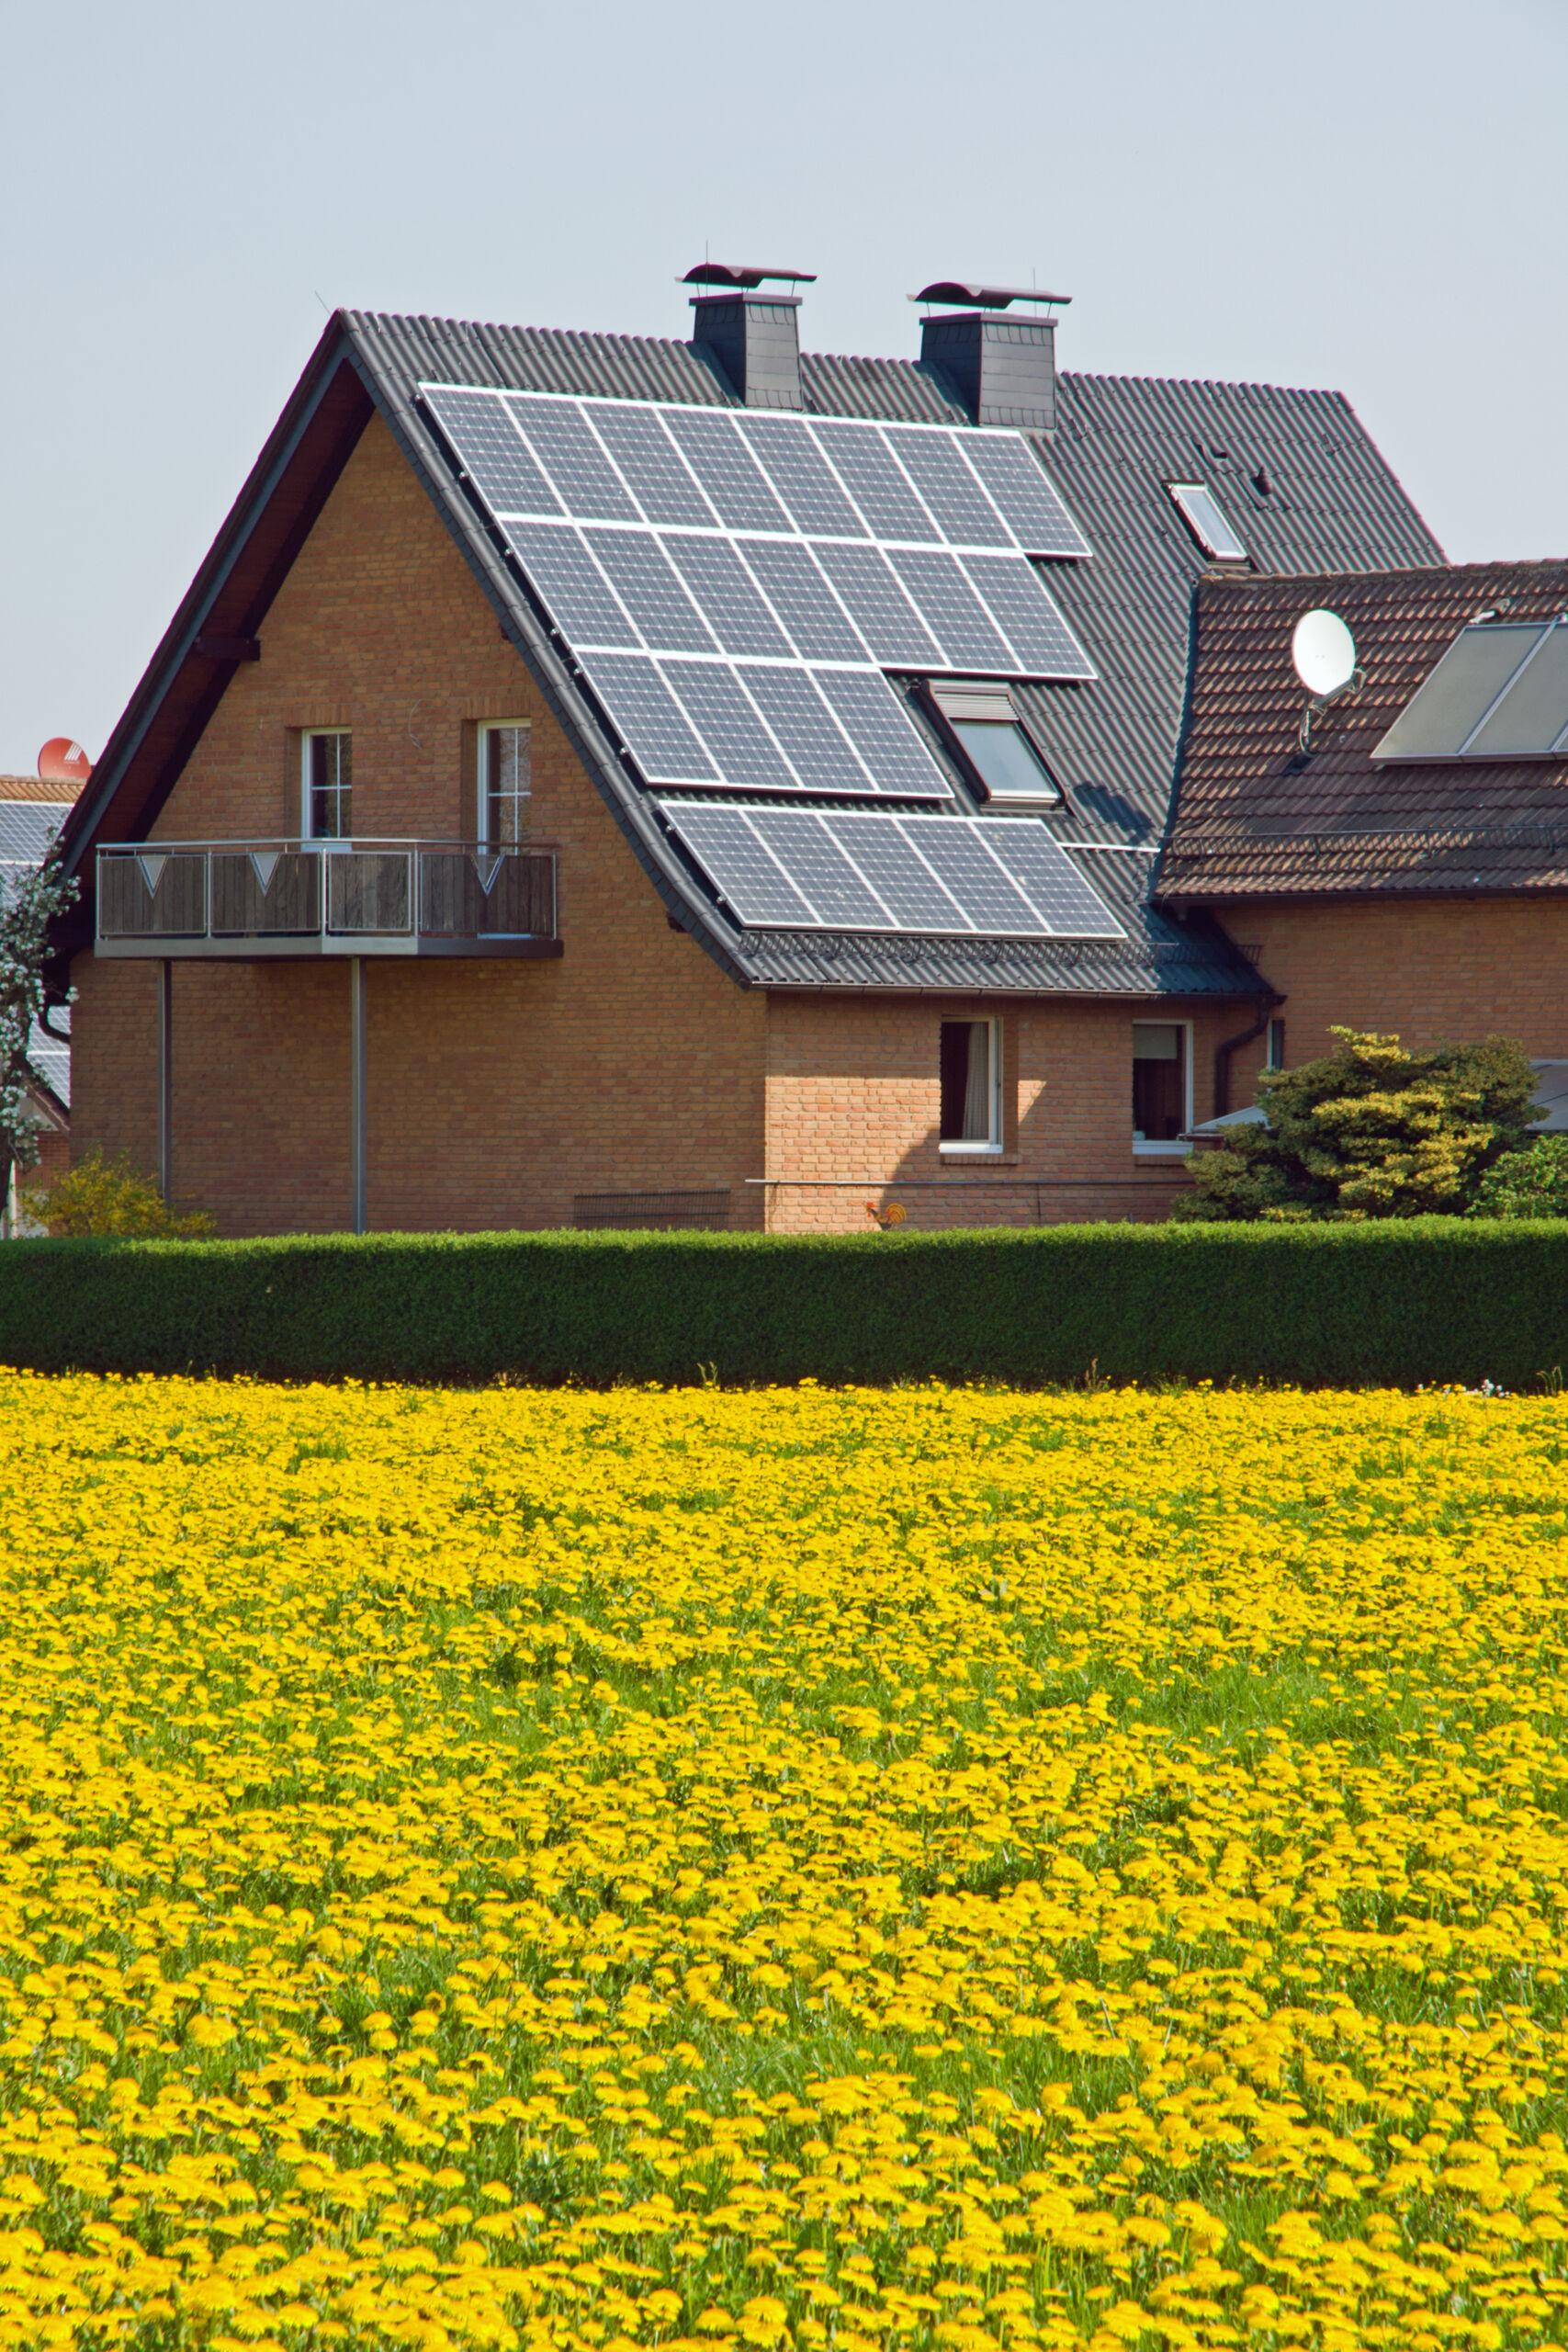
98,1197
1533,1183
1369,1130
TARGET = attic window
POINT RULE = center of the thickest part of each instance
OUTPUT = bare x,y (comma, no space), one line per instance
982,723
1202,514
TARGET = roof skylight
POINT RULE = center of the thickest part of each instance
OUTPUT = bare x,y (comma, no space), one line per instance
1202,512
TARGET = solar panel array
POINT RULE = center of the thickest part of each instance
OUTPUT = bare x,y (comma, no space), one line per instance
732,585
808,869
1499,693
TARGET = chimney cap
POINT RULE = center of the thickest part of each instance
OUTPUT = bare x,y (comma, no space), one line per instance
726,272
982,297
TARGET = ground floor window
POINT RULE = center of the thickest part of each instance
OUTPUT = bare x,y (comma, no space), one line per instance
1161,1059
329,784
971,1084
504,783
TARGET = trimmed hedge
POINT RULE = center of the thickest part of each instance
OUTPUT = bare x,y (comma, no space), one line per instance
1433,1299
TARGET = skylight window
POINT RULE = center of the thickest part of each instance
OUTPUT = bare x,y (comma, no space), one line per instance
982,724
1499,693
1202,514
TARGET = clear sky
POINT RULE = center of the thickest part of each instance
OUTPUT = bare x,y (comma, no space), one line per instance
1359,193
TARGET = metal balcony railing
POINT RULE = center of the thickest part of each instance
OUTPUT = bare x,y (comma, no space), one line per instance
257,899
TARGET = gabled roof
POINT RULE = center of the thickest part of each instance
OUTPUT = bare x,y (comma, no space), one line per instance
1252,817
1293,468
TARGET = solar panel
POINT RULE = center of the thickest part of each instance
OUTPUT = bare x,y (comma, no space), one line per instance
654,469
811,738
865,872
948,488
801,477
787,573
1533,714
721,586
1023,495
869,472
1446,711
726,469
878,606
726,845
962,860
650,590
1044,644
805,844
717,705
1050,881
492,453
951,606
588,487
648,718
574,590
883,733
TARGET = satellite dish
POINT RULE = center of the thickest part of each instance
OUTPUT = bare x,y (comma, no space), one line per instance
63,762
1324,652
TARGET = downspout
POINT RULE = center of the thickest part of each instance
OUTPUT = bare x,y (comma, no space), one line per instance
1234,1045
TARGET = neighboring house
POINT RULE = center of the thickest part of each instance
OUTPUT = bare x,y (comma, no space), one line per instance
1408,871
608,780
30,814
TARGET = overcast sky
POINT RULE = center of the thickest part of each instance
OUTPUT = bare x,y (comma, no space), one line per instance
1359,193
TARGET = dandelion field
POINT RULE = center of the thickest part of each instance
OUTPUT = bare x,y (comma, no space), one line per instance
834,1868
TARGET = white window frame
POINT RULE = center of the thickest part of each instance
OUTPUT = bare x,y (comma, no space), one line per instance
486,728
996,1143
1171,1150
309,735
1184,495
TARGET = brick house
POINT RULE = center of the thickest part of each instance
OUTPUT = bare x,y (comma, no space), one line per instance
609,780
31,812
1407,870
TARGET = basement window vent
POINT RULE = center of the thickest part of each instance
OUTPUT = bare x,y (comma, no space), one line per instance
1202,512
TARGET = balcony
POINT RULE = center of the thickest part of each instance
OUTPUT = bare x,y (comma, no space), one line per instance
262,900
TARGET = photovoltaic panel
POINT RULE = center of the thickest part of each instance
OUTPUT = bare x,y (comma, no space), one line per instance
898,875
878,606
648,718
948,488
883,733
868,470
1446,711
588,486
801,477
654,469
1021,602
716,704
1051,883
862,872
1026,498
816,620
805,845
650,590
493,453
726,593
574,590
968,635
813,742
963,861
726,469
727,847
1534,711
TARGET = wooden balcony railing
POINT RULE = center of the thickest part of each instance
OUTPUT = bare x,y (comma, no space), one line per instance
248,900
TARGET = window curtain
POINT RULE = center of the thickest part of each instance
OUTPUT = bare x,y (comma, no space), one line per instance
977,1094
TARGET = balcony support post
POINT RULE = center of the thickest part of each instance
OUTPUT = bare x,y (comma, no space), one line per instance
356,1084
165,1041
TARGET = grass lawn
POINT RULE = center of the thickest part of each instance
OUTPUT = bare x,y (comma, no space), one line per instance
842,1869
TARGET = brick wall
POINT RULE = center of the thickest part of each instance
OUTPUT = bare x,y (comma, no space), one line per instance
1420,969
496,1090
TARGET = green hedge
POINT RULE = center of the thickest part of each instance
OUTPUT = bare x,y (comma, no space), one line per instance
1436,1299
